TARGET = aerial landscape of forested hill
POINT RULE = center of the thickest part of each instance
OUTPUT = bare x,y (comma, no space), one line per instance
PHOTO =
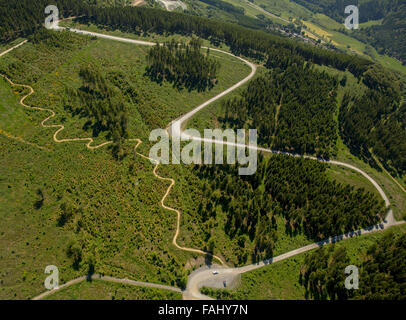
79,189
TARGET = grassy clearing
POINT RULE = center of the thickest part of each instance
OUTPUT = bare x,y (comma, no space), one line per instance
353,178
102,290
395,194
158,104
120,222
326,28
370,23
280,281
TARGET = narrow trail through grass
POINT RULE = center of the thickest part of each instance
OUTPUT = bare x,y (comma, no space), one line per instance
89,145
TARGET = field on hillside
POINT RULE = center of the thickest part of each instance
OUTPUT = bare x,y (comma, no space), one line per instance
285,8
323,27
396,196
328,28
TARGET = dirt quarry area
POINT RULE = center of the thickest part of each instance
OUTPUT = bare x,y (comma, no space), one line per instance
136,3
172,4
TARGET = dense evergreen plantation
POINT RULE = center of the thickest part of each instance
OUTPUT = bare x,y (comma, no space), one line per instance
382,272
323,274
104,105
293,110
21,18
182,64
225,11
277,51
375,120
295,188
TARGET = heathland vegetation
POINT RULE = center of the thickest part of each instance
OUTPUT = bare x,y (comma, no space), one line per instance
104,104
292,108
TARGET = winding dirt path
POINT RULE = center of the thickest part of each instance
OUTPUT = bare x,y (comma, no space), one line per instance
8,134
89,145
53,114
19,139
172,183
